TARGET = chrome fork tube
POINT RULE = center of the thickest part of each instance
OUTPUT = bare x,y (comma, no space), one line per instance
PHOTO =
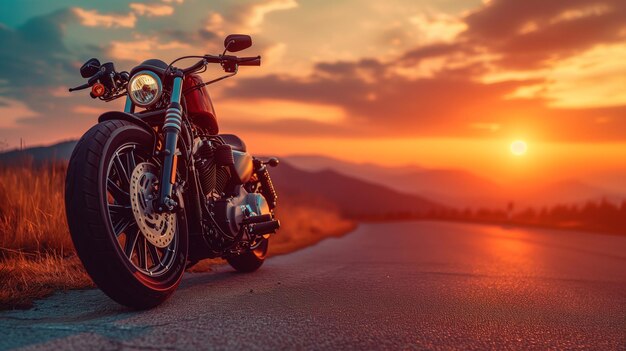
171,128
129,107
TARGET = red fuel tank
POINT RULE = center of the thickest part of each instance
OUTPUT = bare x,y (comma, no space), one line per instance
199,106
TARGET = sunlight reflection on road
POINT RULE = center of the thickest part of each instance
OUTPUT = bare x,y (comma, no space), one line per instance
508,252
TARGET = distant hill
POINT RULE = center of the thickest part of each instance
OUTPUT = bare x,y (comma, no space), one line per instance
459,188
449,186
353,197
60,151
371,170
613,180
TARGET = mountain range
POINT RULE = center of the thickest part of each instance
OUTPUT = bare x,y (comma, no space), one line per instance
460,188
357,188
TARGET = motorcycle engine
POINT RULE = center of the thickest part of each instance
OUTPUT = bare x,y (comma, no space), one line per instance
213,176
229,204
232,212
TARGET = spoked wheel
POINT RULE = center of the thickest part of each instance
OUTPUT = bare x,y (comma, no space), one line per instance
135,255
146,237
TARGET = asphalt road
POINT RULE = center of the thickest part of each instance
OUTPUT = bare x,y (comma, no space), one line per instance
421,285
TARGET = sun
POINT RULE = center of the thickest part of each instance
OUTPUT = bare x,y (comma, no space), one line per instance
519,147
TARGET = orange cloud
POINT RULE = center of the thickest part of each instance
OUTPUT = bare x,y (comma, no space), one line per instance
259,11
438,27
92,18
277,110
151,9
12,112
143,48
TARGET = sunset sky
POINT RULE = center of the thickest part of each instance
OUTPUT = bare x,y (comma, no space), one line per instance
437,83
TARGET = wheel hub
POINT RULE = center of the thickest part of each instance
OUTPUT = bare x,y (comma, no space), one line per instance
157,228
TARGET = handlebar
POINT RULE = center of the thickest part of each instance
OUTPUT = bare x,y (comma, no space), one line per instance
80,87
224,60
106,84
114,81
93,80
249,61
195,67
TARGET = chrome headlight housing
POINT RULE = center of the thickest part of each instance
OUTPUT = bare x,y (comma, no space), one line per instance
145,88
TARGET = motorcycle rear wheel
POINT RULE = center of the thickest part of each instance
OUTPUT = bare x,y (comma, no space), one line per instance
250,260
119,258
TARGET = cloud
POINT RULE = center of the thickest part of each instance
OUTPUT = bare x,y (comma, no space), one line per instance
214,24
551,67
12,112
260,10
430,51
597,9
92,18
438,27
143,48
280,110
534,33
574,81
569,45
35,71
380,102
38,56
151,9
248,17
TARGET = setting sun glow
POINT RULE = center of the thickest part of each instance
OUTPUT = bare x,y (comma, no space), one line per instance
519,147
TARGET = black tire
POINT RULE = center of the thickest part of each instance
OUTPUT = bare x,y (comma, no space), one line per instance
90,218
250,260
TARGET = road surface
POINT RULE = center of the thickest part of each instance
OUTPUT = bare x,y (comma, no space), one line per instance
422,285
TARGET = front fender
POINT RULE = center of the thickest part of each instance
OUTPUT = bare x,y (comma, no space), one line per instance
119,115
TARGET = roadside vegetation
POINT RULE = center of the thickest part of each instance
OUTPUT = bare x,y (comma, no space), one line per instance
37,256
599,216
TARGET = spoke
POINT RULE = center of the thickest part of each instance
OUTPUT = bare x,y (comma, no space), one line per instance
122,173
130,161
131,240
154,255
141,252
120,210
120,196
122,225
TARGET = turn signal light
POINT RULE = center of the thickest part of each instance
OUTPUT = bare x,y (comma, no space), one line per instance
97,90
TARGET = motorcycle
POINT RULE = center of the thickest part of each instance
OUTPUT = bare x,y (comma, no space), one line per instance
154,189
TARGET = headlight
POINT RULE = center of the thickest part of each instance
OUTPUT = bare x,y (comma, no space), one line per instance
145,88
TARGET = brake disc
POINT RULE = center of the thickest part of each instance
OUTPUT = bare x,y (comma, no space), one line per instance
157,228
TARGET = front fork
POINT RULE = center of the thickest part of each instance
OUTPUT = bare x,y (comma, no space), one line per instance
171,128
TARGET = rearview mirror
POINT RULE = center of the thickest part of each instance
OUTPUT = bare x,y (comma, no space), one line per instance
237,42
90,68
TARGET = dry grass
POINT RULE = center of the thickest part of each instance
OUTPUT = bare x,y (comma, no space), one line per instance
27,277
304,223
36,252
32,215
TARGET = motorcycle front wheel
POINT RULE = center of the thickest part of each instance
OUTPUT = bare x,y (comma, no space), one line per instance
133,254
